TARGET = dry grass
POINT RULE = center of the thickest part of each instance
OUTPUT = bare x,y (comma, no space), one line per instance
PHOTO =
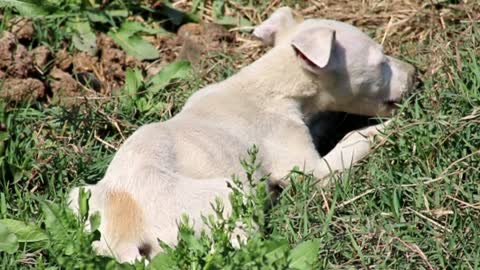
396,24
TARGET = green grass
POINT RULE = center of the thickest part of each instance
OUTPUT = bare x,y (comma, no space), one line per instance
413,204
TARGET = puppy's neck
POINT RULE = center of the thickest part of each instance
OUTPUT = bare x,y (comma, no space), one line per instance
279,76
276,75
275,82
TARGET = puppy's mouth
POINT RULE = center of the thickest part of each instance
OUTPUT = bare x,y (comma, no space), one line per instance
392,103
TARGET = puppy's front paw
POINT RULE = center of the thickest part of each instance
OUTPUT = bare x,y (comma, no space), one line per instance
370,132
354,147
376,133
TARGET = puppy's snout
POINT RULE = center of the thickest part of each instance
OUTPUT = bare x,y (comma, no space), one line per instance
411,75
407,75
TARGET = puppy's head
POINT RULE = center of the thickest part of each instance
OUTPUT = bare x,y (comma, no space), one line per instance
351,70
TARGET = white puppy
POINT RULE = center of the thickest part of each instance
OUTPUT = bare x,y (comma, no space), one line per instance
181,165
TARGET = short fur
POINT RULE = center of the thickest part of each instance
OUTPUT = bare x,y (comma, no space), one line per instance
181,165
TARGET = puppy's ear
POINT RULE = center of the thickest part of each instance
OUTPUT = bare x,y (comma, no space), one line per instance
282,19
314,46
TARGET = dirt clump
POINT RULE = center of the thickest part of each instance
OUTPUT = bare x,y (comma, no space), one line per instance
113,61
208,35
191,51
132,62
197,40
41,56
63,86
168,47
22,63
63,60
218,33
8,43
22,28
83,62
73,75
15,60
13,89
105,42
193,31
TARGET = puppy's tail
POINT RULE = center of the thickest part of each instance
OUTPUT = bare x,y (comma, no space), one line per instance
122,223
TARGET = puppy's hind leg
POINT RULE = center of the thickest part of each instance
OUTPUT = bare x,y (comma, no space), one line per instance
94,202
121,225
198,197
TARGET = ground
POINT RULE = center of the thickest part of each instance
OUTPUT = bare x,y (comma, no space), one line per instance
77,77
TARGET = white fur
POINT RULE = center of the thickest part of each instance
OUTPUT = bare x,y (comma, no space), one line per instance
179,166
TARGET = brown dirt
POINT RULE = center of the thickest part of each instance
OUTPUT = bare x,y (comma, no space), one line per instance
22,28
392,22
63,86
70,75
22,63
41,56
209,36
8,43
22,89
83,62
198,40
113,62
63,60
15,60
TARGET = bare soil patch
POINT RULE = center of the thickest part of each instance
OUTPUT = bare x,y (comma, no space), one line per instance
68,77
67,74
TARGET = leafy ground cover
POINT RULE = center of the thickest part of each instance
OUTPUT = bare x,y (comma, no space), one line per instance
77,77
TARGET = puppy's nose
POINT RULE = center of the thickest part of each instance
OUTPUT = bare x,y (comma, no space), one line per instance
411,75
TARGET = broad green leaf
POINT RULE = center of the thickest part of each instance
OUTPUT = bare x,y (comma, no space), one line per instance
277,250
8,240
127,38
4,136
25,233
98,17
156,107
136,46
83,197
133,81
231,21
3,202
195,6
142,104
217,8
162,261
305,255
95,220
27,8
69,249
132,27
189,238
105,16
117,13
176,70
84,39
51,214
